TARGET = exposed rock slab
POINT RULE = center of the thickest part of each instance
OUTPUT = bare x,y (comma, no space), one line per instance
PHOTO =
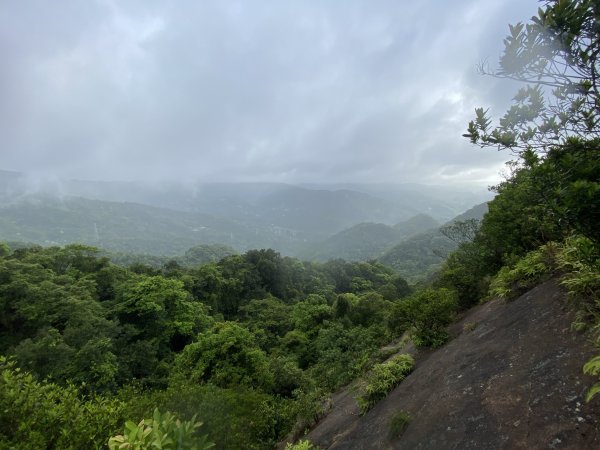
511,379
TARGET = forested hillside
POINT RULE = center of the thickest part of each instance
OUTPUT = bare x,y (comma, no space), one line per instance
166,220
422,254
367,241
258,340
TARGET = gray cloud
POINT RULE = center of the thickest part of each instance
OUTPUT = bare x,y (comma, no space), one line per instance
299,91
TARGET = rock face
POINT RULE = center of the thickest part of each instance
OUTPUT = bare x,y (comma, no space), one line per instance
510,379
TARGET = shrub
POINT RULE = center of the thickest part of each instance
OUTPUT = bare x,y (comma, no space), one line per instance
512,281
300,445
44,415
382,379
466,271
398,423
235,419
427,312
579,259
163,431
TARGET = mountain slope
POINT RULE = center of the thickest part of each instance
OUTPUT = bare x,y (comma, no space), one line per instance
416,224
359,243
422,253
419,255
514,381
368,240
129,227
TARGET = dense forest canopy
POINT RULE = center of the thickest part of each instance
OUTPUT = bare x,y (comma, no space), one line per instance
276,332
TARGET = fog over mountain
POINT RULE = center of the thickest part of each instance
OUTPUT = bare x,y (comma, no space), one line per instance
169,218
295,92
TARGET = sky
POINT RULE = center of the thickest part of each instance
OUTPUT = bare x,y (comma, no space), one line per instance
273,90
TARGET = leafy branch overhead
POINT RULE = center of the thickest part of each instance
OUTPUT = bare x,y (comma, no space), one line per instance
556,56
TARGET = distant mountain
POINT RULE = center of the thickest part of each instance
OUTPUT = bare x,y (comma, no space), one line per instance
441,202
129,227
416,224
367,241
323,211
476,212
315,222
418,255
423,253
359,243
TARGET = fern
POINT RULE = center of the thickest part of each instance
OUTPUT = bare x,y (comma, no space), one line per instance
510,281
382,379
592,367
595,389
579,260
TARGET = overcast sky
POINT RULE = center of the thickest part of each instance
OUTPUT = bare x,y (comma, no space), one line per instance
296,91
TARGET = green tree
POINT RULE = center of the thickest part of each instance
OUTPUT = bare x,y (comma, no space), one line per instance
427,313
51,320
311,313
158,317
225,355
556,56
43,415
268,319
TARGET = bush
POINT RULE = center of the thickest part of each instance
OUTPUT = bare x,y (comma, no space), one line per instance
235,419
300,445
427,312
579,259
466,271
398,423
512,281
382,379
163,431
43,415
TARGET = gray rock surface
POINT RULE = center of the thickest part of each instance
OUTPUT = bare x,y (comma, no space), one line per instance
510,379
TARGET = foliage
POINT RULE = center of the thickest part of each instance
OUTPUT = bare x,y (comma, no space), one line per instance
398,423
512,281
300,445
461,231
162,431
579,259
556,56
227,356
254,342
235,419
382,379
545,199
51,320
426,313
341,354
44,415
465,272
418,256
592,367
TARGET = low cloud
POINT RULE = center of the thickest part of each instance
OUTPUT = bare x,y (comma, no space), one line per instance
299,91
